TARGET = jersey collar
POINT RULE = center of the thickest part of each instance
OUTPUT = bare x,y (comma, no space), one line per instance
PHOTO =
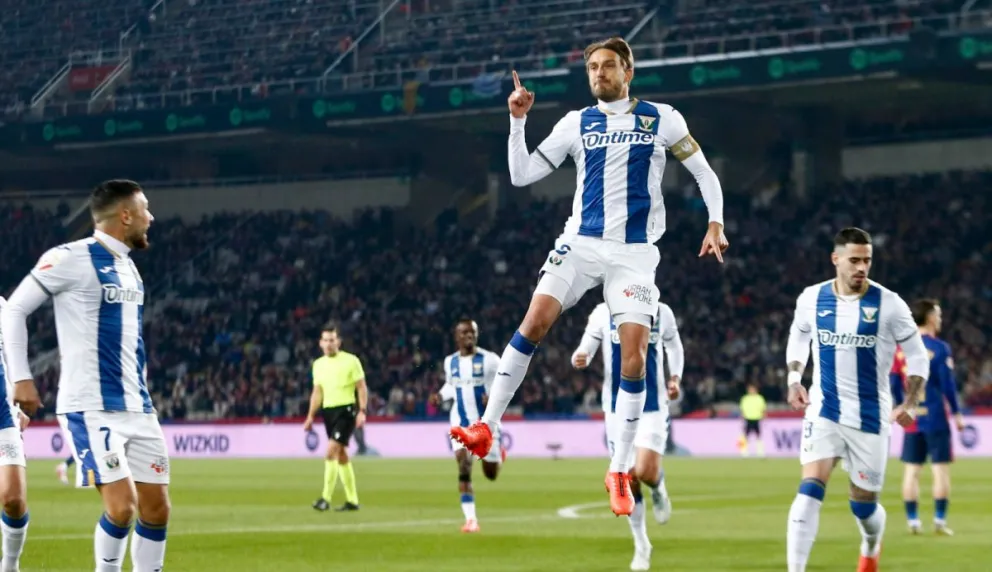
115,246
620,107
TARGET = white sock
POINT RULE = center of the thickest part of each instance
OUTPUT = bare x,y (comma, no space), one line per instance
109,545
638,526
872,529
468,506
148,547
15,531
804,521
629,408
513,366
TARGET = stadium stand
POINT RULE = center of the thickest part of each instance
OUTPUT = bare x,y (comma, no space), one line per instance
233,331
215,50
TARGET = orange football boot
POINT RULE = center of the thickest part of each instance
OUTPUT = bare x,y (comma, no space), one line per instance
621,499
869,563
477,438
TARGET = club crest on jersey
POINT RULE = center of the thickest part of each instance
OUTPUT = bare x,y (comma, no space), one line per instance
646,123
598,140
114,294
870,314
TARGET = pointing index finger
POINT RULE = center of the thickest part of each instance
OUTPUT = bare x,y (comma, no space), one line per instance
516,80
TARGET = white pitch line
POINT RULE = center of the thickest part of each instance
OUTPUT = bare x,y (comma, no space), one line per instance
346,527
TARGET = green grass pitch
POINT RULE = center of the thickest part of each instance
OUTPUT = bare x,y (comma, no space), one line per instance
729,514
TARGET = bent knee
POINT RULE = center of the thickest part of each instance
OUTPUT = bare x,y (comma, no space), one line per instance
490,470
646,473
15,506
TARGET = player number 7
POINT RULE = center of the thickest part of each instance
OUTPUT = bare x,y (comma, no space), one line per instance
106,437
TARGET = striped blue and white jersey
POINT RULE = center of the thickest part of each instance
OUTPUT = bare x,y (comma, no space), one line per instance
8,417
854,341
619,162
664,339
99,301
467,380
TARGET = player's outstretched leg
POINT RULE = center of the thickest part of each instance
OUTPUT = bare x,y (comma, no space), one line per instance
870,516
110,537
148,539
638,527
545,308
804,522
634,332
464,460
911,496
14,520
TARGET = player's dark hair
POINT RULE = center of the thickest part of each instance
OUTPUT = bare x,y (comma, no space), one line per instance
109,194
615,44
329,328
922,309
852,235
468,321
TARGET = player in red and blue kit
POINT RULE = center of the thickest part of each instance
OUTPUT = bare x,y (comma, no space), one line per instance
930,435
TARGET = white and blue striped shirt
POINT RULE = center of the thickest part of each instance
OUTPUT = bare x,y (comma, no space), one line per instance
620,159
467,380
601,331
99,299
854,341
7,416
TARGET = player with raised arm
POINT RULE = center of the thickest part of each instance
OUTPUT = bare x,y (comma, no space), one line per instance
854,326
468,375
652,433
617,217
13,476
103,401
930,434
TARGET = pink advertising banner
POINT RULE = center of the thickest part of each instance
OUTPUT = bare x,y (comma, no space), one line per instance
586,438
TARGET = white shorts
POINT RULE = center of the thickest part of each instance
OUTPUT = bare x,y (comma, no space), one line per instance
626,271
112,445
652,433
864,455
12,447
495,454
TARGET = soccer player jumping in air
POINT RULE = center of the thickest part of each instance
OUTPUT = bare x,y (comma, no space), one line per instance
617,217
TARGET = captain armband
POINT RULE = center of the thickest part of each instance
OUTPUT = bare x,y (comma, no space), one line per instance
684,148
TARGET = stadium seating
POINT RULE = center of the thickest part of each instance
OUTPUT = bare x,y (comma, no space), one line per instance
39,36
232,332
209,50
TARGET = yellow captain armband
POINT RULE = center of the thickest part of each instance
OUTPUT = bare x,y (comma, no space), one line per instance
684,148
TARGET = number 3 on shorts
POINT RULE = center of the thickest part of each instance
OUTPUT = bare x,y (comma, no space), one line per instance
807,429
106,437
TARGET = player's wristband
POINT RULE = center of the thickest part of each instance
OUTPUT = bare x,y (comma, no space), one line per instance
794,377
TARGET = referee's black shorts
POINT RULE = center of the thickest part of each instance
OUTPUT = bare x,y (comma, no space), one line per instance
340,422
752,426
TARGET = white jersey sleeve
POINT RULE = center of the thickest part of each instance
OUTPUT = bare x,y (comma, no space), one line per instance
676,137
447,391
525,168
594,334
57,270
671,341
801,330
906,333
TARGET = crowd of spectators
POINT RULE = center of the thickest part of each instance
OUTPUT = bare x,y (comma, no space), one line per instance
236,300
204,51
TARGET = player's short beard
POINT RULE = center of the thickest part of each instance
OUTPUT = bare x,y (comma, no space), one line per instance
608,93
140,242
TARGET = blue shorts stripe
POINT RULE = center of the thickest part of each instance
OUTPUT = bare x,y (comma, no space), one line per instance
81,443
615,367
